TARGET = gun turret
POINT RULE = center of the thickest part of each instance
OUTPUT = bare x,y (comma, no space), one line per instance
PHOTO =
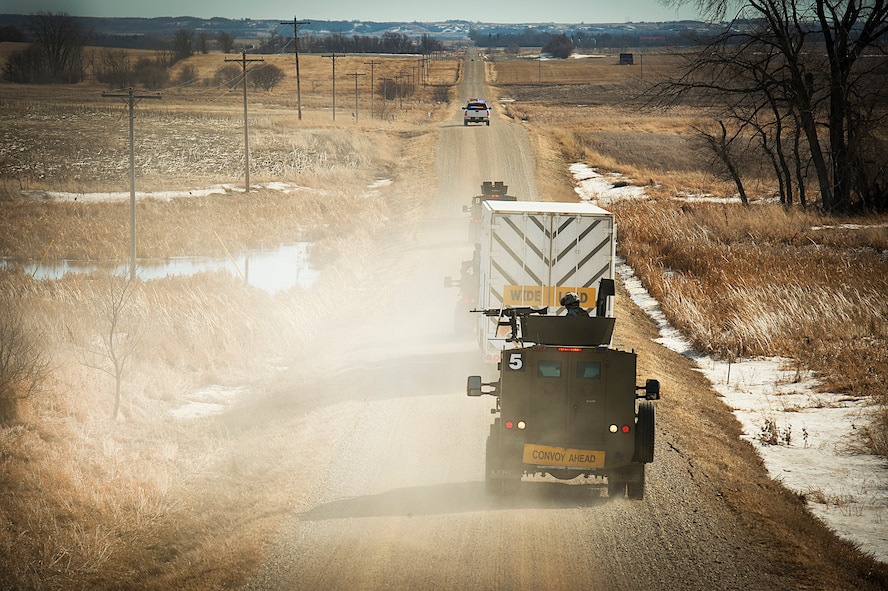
511,316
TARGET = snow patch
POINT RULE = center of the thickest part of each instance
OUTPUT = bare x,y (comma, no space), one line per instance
102,197
208,401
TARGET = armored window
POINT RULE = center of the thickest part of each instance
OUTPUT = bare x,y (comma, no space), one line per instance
549,369
588,370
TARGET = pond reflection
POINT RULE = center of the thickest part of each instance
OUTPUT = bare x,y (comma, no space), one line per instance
270,270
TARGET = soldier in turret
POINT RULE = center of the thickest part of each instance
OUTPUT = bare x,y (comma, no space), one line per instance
571,302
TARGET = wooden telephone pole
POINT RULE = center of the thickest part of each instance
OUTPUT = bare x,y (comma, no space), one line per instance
243,60
356,74
296,24
334,56
372,64
132,98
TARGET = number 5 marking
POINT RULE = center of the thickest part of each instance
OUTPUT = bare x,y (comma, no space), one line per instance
516,362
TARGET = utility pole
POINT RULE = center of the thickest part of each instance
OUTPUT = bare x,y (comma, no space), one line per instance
243,60
334,56
384,94
296,24
372,63
131,98
400,87
356,74
421,62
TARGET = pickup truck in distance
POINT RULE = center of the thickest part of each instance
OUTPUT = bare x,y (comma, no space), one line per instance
476,111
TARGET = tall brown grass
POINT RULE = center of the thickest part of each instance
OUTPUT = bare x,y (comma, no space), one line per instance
765,281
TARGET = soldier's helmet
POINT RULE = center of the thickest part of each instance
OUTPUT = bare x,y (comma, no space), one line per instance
570,299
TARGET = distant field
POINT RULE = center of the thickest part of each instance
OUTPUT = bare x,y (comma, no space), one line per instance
593,109
193,135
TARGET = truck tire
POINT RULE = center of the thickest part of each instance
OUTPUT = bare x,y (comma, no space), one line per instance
492,462
635,489
488,123
644,433
465,123
616,486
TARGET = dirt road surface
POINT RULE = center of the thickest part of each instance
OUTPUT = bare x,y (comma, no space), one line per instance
392,493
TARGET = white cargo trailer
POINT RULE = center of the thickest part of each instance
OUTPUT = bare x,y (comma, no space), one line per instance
532,253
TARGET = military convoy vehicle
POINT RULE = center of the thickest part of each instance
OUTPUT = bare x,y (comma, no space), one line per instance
490,190
468,282
566,403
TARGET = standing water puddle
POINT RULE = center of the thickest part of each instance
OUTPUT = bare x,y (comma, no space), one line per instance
269,270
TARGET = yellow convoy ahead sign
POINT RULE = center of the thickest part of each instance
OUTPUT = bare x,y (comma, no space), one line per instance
545,455
544,295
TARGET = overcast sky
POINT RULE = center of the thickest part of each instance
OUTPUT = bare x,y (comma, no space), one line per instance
489,11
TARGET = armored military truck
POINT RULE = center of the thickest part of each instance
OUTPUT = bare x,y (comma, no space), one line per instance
567,403
490,191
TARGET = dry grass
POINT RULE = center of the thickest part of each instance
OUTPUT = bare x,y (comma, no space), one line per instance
742,282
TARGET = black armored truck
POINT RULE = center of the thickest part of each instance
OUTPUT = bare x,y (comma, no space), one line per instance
567,403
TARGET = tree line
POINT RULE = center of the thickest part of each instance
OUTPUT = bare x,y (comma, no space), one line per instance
388,42
58,53
580,39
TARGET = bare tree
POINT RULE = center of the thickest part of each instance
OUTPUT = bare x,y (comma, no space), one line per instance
806,60
61,39
229,75
725,151
114,67
226,41
23,363
203,42
266,77
119,334
183,44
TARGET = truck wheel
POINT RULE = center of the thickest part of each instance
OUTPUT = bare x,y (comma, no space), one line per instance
616,487
465,123
492,463
644,433
488,124
635,490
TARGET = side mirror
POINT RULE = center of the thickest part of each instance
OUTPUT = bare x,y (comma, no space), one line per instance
473,386
467,208
652,389
448,281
